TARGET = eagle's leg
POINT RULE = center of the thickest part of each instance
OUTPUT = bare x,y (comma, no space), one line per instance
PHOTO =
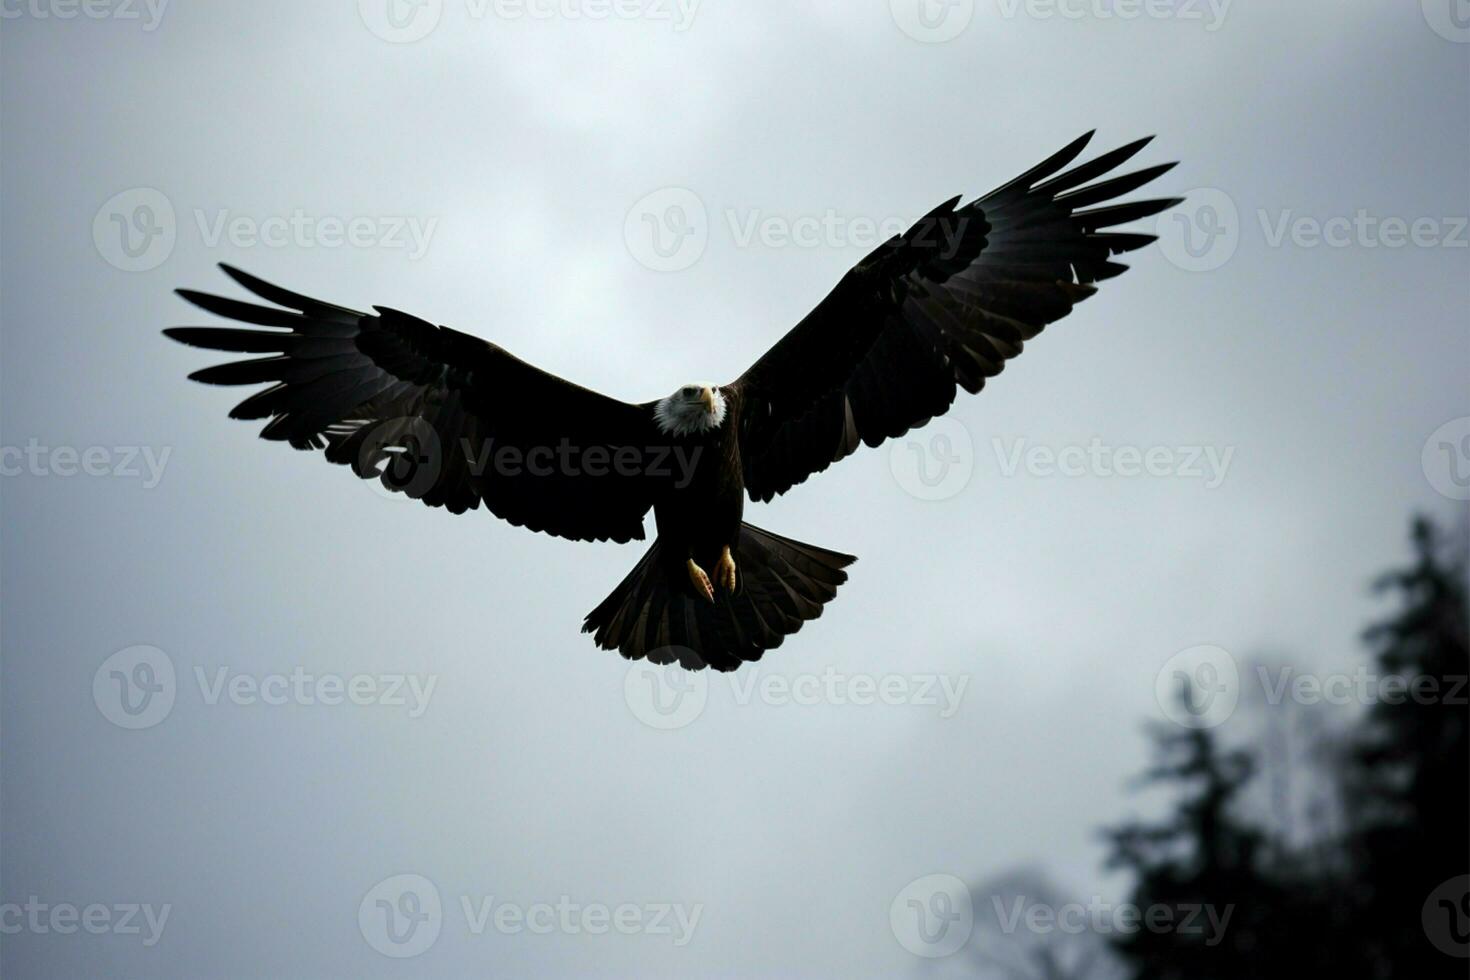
725,570
700,581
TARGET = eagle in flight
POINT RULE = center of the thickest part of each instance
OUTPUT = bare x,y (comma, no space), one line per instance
455,421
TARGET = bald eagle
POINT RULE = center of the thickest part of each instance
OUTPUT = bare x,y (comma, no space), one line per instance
456,421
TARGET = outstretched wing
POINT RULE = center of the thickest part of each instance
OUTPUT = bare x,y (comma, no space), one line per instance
444,417
941,307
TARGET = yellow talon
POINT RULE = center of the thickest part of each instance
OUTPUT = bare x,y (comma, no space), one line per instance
725,570
700,581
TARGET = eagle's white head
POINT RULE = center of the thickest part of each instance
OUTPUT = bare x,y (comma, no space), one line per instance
691,410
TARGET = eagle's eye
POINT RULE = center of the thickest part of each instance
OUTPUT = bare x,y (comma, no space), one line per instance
689,391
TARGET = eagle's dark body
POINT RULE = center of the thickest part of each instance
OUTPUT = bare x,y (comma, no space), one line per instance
458,422
658,612
698,519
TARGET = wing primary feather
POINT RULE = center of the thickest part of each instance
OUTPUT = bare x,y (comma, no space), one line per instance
1047,167
1082,173
283,297
1120,214
1116,187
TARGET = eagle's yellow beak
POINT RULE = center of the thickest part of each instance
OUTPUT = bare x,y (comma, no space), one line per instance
708,397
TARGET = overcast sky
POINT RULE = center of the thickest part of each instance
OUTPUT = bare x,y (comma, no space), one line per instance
1285,376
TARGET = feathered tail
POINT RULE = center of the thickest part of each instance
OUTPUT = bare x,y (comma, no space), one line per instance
655,613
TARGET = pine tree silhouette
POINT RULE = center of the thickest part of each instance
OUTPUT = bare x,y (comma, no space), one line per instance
1199,856
1387,898
1408,781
